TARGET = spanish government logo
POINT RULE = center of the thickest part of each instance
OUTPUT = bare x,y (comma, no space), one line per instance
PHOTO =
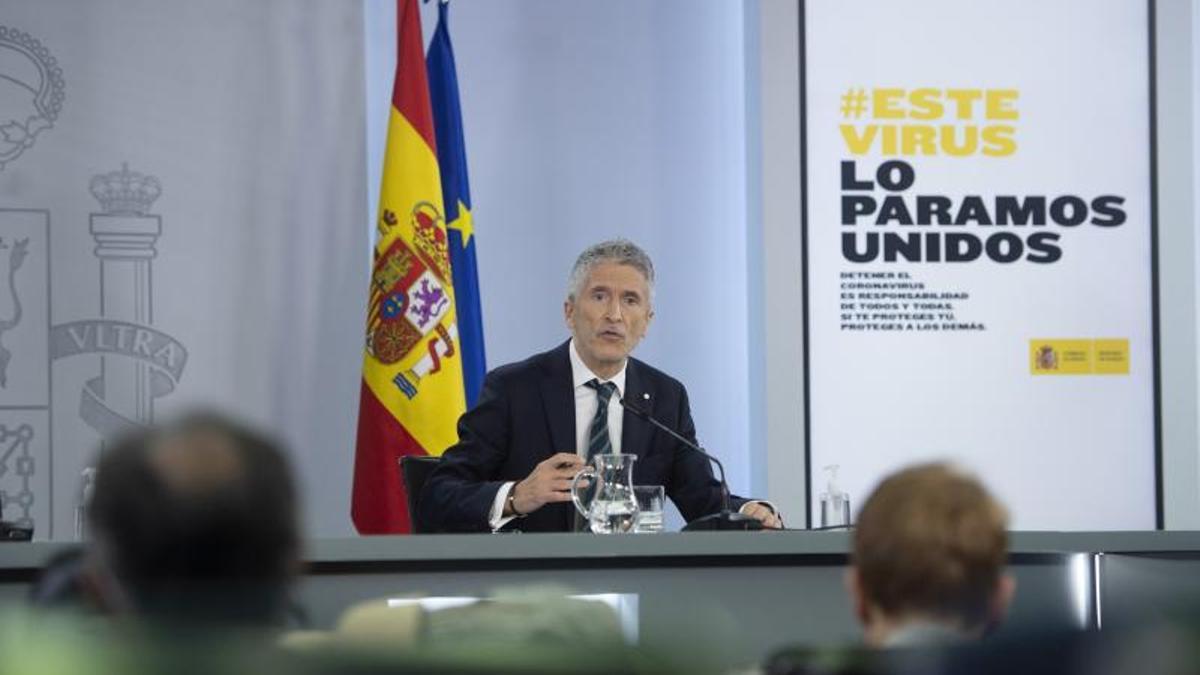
1046,359
31,92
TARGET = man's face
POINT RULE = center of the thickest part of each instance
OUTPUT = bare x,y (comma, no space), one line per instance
609,316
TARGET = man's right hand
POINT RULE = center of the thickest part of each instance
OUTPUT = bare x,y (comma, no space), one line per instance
550,482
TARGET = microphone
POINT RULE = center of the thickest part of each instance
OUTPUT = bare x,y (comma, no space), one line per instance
726,518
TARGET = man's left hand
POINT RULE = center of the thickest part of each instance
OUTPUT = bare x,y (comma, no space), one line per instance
763,514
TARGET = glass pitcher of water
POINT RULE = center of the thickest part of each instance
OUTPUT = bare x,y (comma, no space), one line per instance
612,507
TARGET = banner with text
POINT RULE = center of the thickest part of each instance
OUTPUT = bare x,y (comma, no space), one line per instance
979,252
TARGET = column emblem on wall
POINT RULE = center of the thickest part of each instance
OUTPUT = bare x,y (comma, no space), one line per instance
138,363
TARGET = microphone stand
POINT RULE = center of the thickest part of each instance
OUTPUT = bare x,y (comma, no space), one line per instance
726,518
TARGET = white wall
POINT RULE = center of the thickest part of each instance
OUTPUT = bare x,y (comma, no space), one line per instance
1196,177
782,347
1177,281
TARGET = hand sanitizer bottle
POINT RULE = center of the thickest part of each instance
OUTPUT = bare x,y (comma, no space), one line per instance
87,480
835,504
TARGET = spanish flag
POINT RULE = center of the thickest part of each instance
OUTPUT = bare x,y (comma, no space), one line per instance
412,391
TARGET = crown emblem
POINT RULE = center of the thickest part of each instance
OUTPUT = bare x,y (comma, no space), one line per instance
31,86
429,237
125,192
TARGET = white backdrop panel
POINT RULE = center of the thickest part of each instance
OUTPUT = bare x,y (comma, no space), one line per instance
888,388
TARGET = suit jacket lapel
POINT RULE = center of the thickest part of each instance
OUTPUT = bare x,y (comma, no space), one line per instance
558,399
635,433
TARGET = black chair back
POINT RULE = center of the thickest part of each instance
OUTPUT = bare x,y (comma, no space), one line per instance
414,471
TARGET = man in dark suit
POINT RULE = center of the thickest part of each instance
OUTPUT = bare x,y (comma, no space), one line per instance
538,420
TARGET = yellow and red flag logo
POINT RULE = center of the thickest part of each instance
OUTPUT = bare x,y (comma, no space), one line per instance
412,392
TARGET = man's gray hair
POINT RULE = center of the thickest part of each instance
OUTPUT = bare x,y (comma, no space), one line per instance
619,251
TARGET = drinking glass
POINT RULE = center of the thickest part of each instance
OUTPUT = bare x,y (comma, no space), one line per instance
650,501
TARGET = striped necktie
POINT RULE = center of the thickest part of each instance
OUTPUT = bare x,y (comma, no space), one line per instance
598,440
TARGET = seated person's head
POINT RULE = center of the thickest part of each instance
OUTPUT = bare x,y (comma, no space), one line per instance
928,562
195,521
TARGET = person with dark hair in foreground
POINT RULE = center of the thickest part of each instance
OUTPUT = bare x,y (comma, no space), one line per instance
928,562
195,522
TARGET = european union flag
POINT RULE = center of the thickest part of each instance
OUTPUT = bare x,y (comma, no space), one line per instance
456,196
